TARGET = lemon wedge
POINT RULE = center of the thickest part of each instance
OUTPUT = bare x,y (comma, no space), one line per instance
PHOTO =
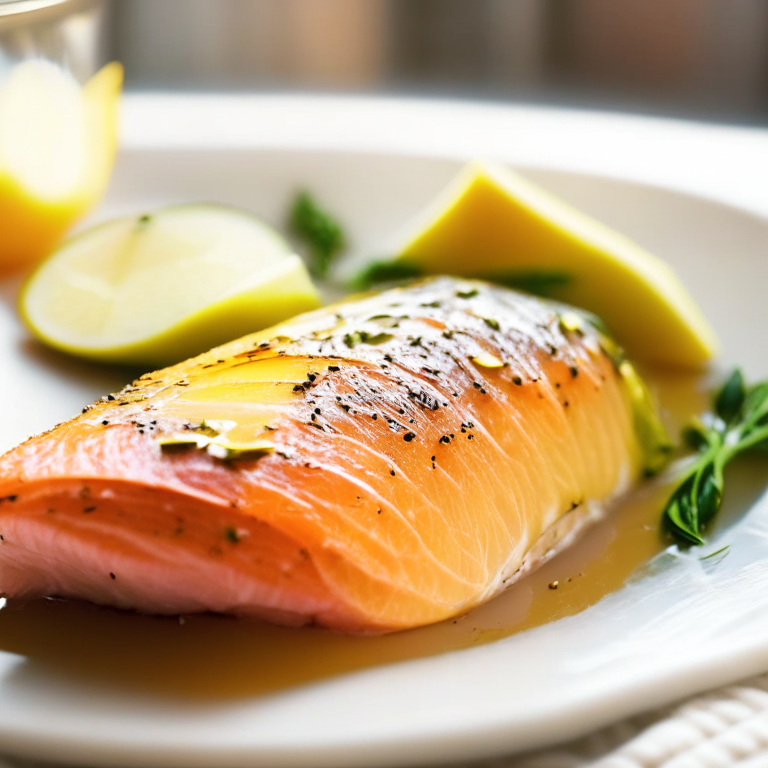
159,288
492,223
58,141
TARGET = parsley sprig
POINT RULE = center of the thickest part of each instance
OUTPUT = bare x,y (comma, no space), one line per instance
739,422
319,230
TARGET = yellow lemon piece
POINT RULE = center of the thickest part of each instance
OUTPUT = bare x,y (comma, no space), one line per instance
492,223
58,141
160,288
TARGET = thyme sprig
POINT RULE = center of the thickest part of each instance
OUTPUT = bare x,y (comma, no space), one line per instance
739,422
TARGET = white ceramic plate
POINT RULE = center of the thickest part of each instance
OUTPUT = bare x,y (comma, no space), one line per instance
681,627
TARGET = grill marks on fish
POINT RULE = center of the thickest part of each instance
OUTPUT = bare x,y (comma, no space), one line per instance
407,473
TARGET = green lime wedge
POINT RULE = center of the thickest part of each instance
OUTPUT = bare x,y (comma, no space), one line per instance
159,288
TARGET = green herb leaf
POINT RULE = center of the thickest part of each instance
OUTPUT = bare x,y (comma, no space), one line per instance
385,271
541,282
741,424
731,397
322,234
363,337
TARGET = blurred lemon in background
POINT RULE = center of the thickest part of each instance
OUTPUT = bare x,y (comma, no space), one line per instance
58,142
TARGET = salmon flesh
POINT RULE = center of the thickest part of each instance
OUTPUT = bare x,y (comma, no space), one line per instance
384,463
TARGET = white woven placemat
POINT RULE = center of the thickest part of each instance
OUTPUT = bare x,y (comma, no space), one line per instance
726,728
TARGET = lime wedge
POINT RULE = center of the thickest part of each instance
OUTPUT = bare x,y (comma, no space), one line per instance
492,223
159,288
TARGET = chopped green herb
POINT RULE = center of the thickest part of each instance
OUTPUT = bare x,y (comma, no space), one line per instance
739,423
322,234
363,337
467,294
231,535
217,447
491,323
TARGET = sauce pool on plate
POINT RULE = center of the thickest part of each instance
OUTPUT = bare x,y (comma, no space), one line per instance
208,657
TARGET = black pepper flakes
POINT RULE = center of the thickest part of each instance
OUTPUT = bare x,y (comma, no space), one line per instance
231,535
408,436
112,576
574,371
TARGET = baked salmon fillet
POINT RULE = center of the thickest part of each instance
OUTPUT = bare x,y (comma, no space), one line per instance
380,464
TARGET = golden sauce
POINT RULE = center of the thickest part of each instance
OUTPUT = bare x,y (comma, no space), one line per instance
214,657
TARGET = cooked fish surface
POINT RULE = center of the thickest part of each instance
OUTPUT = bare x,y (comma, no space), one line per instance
380,464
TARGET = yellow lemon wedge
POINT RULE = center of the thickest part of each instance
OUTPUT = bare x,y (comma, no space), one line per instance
160,288
58,141
492,223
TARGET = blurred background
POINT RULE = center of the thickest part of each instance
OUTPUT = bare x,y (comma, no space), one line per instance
697,58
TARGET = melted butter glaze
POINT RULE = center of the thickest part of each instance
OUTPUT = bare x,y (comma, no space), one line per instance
407,473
